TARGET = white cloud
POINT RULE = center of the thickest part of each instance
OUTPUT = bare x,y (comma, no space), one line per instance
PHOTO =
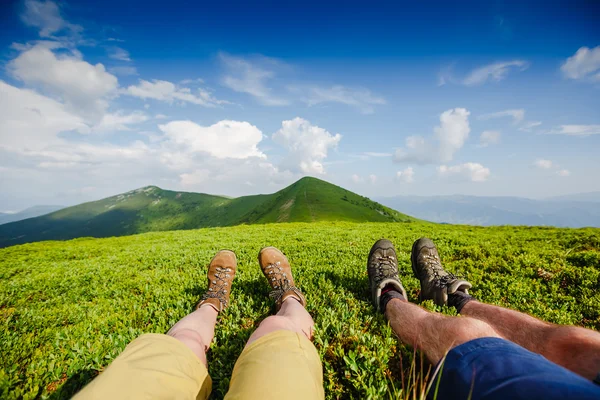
528,126
307,145
406,175
120,54
195,178
250,78
169,92
360,98
470,171
225,139
543,164
448,138
83,87
563,172
373,179
30,121
123,70
119,121
494,72
576,130
488,138
357,179
517,115
376,154
583,65
192,81
46,16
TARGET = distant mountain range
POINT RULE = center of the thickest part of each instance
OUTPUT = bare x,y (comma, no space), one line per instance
154,209
575,211
30,212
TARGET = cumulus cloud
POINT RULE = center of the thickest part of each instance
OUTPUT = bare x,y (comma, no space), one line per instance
46,16
250,78
563,172
488,138
448,138
225,139
469,171
406,175
30,121
307,145
169,92
583,65
84,88
576,130
517,115
543,164
494,72
359,98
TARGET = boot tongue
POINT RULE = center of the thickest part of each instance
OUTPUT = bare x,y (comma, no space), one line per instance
458,284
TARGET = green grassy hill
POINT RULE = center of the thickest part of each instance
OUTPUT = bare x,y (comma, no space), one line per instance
67,309
153,209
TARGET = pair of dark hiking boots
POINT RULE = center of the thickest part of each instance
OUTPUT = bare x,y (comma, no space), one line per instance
382,268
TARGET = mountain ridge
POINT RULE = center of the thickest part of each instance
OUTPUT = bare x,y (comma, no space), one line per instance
151,208
565,211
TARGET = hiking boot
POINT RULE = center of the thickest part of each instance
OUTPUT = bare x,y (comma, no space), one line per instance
436,283
276,268
382,268
221,272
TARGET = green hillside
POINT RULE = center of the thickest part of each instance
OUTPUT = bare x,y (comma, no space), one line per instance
67,309
153,209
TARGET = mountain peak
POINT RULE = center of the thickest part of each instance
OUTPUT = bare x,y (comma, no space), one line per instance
153,209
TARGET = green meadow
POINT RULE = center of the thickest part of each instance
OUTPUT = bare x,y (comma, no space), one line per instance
67,309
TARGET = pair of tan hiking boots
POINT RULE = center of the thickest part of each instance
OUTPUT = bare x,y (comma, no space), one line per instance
274,265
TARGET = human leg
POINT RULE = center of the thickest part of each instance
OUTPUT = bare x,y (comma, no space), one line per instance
473,360
432,333
279,360
172,365
575,348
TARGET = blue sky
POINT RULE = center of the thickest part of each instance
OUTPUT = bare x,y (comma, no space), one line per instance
426,98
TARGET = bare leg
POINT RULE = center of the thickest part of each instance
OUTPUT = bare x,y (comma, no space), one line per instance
292,316
196,330
575,348
432,333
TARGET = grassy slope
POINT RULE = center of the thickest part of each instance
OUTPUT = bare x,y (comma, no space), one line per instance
68,308
152,209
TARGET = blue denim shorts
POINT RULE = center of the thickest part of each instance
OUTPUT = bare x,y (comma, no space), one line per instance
493,368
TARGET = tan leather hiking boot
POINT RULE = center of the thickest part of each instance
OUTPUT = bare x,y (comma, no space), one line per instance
277,270
221,272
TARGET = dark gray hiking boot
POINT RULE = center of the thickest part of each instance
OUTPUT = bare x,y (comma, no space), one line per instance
436,283
382,267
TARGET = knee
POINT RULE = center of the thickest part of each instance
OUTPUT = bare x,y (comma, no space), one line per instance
563,339
467,329
187,336
275,323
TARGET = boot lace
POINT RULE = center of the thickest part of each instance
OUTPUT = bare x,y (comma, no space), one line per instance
441,278
385,267
279,281
218,289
